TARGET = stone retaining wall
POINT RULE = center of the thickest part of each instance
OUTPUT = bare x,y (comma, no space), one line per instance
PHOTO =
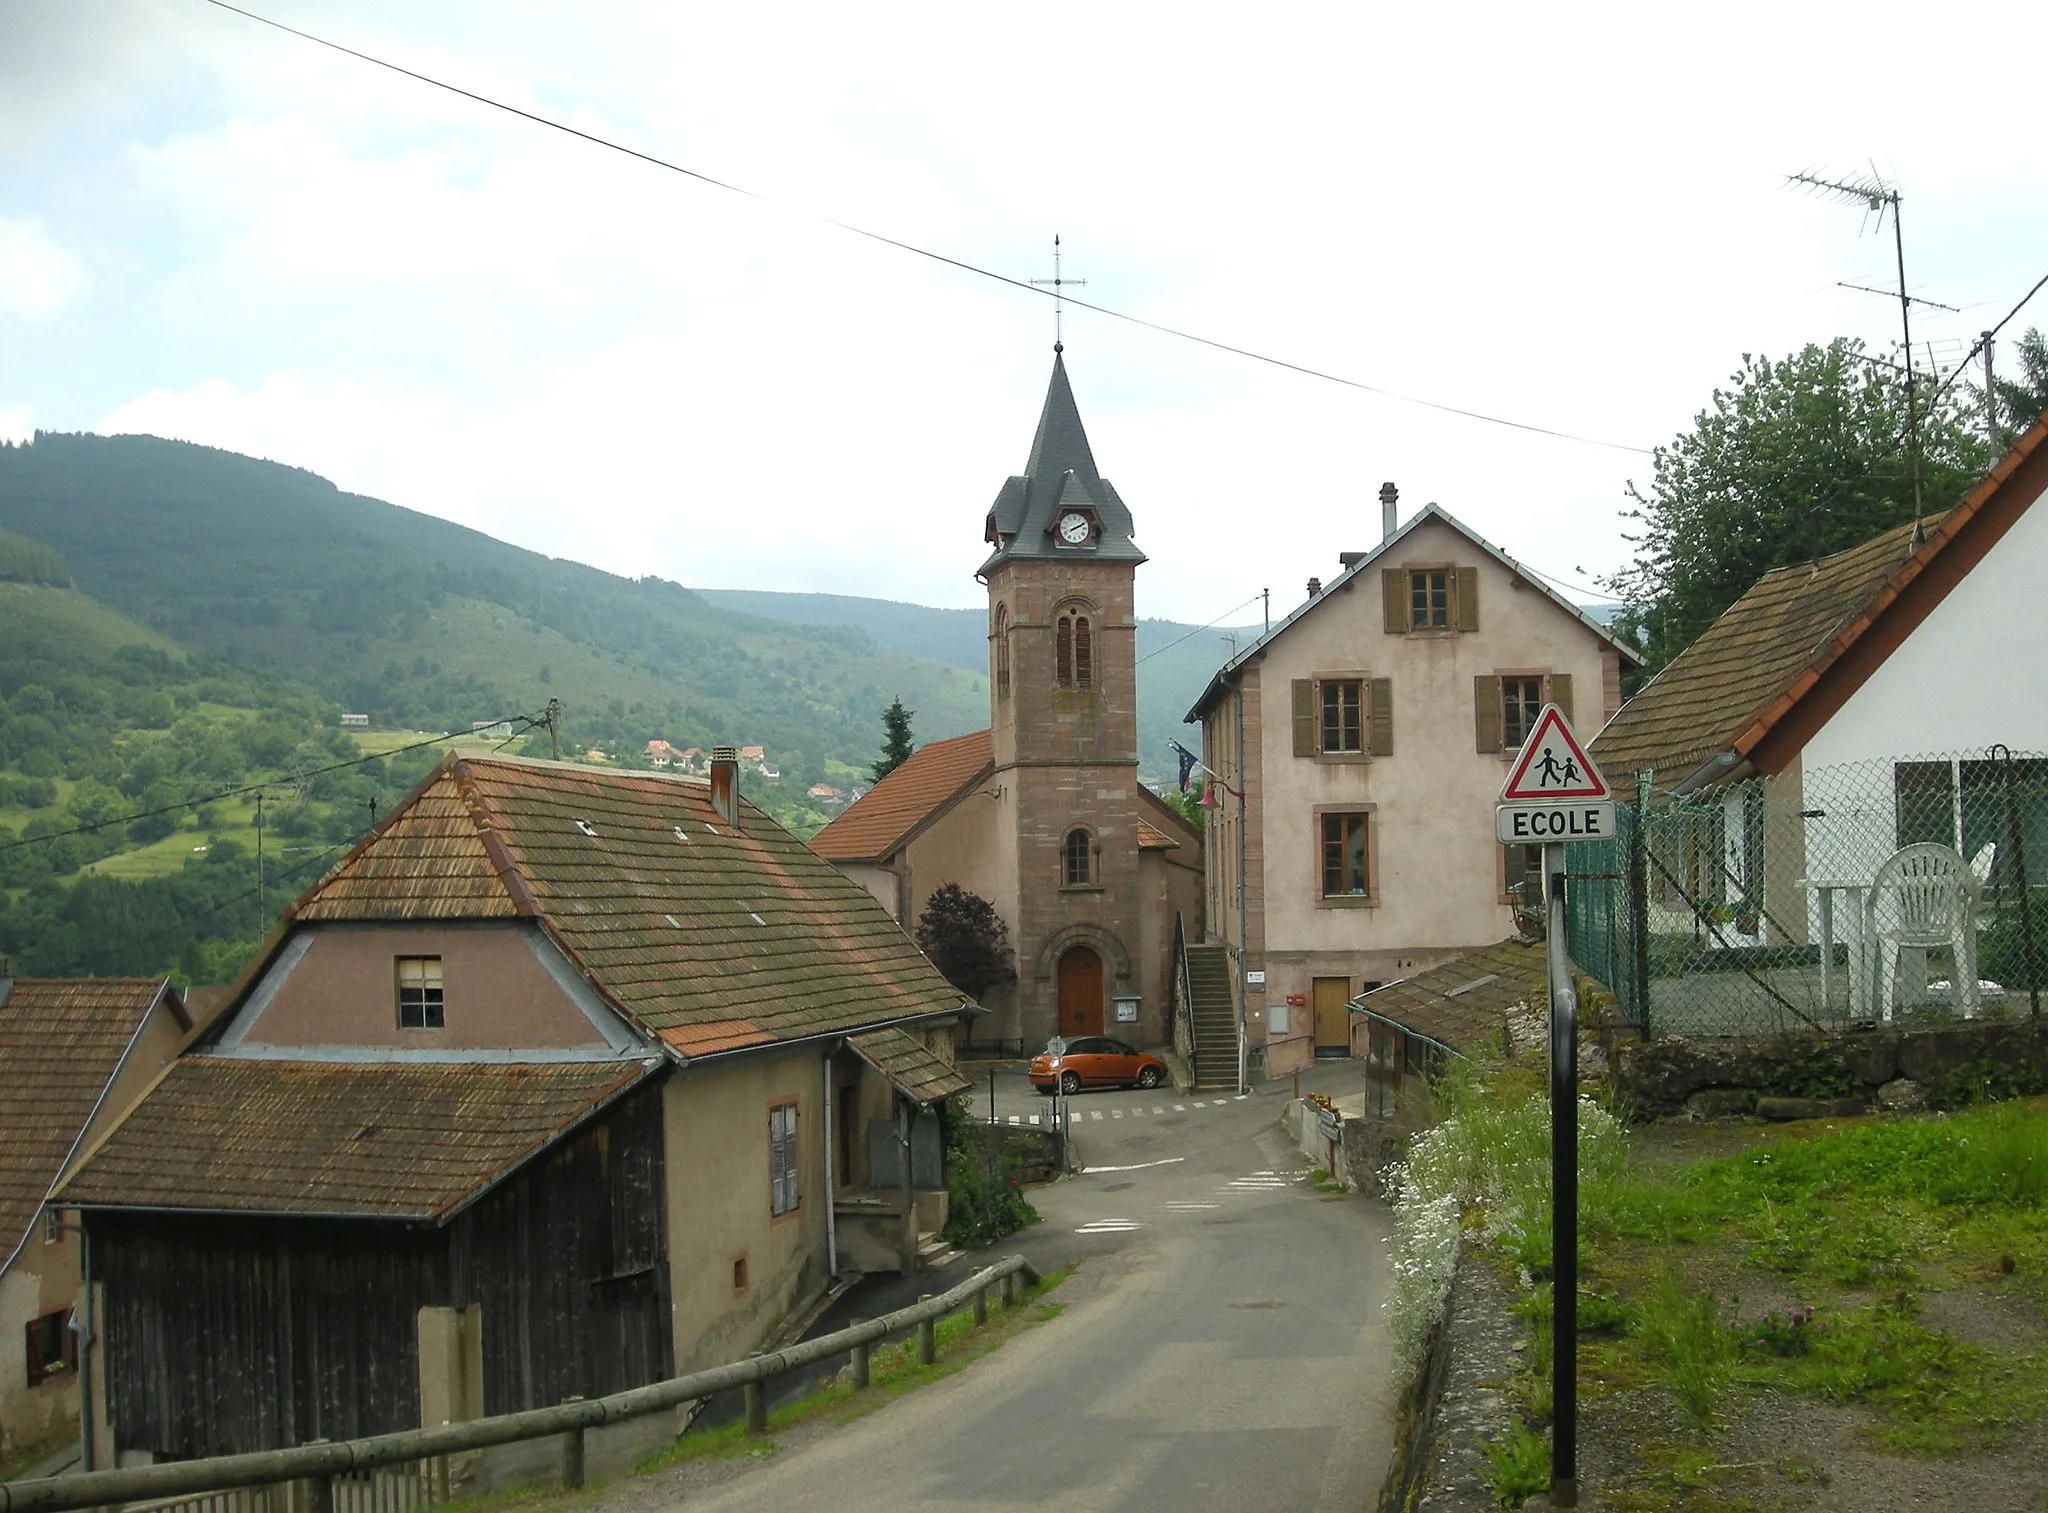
1807,1076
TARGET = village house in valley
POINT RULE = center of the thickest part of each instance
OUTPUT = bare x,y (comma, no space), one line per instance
73,1056
1042,814
1361,744
562,1081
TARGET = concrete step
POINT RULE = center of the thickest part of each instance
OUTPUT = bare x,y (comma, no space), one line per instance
932,1253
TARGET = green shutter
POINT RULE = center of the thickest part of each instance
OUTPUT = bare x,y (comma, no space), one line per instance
1394,586
1468,598
1486,712
1304,717
1381,736
1558,690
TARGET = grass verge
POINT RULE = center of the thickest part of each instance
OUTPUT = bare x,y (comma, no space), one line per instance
893,1371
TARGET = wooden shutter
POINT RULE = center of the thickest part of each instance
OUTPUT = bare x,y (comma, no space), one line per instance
1486,712
1305,717
1394,585
1466,610
1380,737
1558,689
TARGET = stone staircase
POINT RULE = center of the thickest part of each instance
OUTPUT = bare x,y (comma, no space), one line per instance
1215,1017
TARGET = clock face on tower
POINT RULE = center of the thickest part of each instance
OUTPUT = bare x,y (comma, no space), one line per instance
1074,528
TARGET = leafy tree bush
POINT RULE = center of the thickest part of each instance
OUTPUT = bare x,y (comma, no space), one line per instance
1795,459
966,940
984,1197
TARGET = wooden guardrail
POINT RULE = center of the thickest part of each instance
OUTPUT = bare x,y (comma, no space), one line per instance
321,1463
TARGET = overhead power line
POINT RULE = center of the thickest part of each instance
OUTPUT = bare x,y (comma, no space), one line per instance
1025,285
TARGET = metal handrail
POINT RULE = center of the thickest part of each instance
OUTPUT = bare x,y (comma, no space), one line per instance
95,1489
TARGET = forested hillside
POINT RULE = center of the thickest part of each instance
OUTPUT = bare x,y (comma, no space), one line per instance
423,624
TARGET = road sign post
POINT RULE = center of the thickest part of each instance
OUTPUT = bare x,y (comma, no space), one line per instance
1554,795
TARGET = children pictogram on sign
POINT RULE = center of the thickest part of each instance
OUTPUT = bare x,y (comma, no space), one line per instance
1553,765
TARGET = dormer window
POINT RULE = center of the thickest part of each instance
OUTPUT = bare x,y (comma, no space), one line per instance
419,993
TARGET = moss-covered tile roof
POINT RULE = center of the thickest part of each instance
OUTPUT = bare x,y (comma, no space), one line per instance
911,1067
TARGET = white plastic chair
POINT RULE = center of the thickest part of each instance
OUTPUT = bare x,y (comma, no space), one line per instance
1924,898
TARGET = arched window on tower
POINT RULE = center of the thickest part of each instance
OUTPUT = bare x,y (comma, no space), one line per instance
999,631
1074,649
1080,855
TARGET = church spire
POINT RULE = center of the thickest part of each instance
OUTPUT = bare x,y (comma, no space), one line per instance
1059,479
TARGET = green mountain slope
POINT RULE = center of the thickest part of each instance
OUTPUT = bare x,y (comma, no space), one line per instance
1175,661
421,623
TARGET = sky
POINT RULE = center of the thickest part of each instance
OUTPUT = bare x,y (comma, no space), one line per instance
1573,218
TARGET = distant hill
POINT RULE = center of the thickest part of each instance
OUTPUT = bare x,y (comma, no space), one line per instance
424,624
1175,661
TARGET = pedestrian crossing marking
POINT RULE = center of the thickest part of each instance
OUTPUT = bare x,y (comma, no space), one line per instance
1180,1108
1095,1114
1116,1113
1160,1110
1108,1227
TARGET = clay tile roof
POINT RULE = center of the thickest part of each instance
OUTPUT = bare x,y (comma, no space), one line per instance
713,941
1152,838
397,1141
887,813
1715,689
61,1042
910,1066
1464,1003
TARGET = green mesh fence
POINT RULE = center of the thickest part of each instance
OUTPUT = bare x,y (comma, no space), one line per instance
1867,892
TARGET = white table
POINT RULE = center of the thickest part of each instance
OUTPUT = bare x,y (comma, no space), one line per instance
1862,960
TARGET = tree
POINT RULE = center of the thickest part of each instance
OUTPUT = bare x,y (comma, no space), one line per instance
1188,803
966,940
2022,400
896,743
1796,459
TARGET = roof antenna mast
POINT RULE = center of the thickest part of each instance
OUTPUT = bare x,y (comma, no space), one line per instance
1877,196
1056,283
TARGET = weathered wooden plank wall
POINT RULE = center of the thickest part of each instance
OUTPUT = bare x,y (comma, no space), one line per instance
233,1334
570,1263
225,1335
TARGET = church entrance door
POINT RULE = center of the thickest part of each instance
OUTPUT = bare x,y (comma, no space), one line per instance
1080,992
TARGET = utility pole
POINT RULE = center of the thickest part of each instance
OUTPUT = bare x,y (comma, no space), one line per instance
1990,400
260,915
554,722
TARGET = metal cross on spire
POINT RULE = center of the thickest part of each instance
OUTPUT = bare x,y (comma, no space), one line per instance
1056,284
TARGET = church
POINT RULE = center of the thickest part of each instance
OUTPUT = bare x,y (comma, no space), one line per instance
1042,814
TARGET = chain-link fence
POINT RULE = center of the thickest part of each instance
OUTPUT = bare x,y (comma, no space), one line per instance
1816,899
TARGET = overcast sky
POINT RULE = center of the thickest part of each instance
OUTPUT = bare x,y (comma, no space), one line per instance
1573,218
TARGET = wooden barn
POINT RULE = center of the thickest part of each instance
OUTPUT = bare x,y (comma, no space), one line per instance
551,1087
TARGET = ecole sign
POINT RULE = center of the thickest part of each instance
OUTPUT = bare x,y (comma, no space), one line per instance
1554,793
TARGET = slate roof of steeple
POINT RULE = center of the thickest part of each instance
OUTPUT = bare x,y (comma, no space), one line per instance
1060,474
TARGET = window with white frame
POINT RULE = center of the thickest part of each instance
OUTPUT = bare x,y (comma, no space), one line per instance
419,993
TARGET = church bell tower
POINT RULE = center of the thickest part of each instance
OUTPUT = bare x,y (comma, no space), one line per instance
1063,721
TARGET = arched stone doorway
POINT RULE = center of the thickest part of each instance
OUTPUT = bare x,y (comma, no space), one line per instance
1080,979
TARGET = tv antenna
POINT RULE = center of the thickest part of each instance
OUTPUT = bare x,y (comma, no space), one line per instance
1059,304
1877,196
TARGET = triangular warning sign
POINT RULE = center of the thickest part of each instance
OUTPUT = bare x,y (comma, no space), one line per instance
1553,765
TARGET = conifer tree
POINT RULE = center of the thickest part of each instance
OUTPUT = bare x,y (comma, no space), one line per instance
896,743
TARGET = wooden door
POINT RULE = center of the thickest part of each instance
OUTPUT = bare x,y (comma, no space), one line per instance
1333,1021
1080,992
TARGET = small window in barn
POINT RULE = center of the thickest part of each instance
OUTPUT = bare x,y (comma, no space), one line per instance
53,1226
419,993
739,1273
783,1196
52,1347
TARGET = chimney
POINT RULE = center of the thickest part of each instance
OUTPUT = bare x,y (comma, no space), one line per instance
725,784
1315,588
1390,516
1349,560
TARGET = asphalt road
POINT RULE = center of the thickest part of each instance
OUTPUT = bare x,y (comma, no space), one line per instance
1221,1345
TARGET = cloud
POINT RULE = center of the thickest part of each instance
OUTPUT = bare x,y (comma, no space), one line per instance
38,278
17,424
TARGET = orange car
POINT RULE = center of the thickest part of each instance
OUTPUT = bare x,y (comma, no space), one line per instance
1093,1061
